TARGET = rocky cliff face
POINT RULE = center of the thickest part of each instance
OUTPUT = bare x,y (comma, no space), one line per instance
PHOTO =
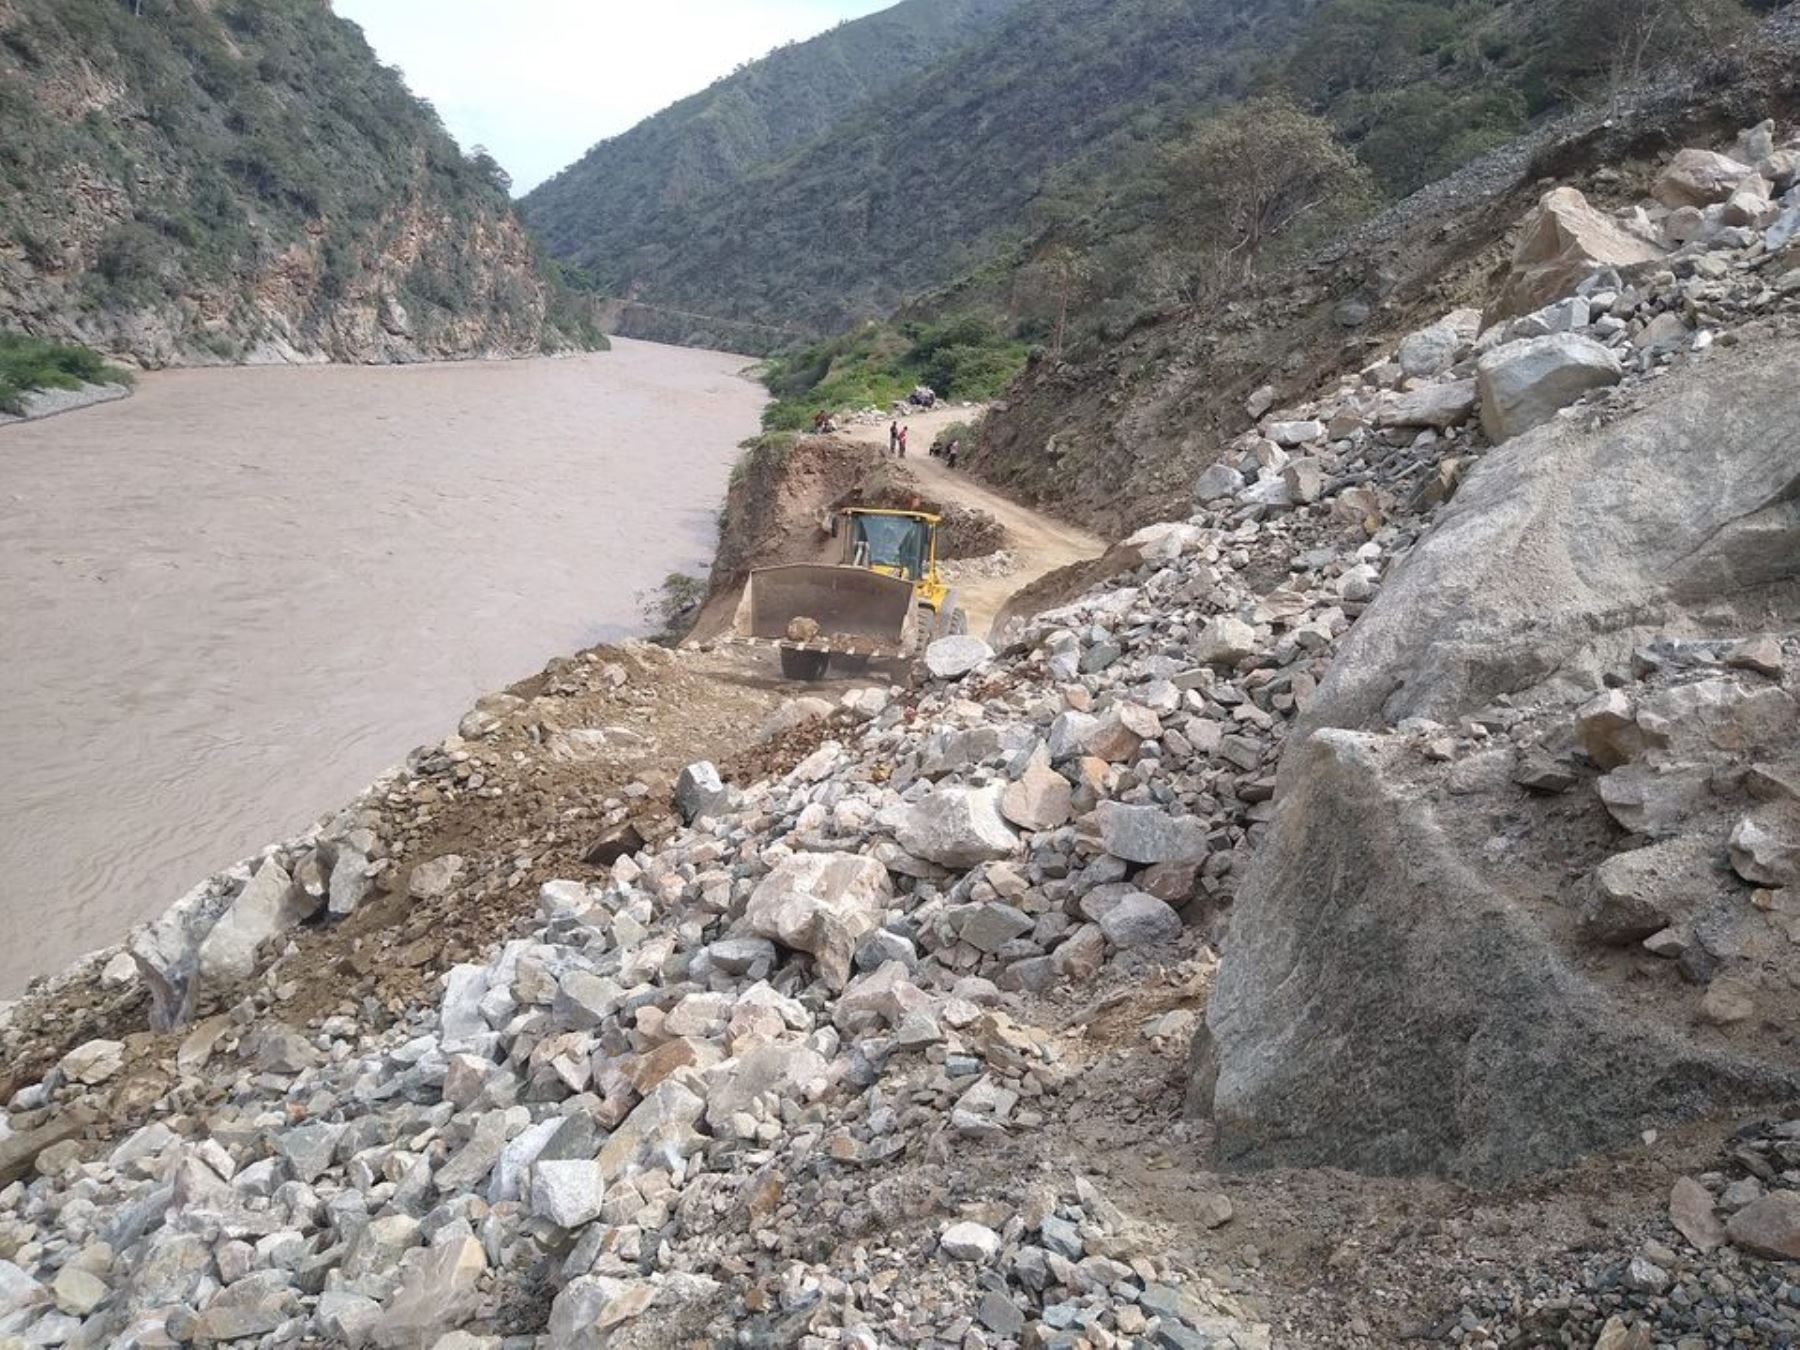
246,182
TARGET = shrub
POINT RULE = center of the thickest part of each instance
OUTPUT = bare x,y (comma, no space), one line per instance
28,363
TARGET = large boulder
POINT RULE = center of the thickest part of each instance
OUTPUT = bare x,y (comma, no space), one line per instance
270,903
823,904
1149,834
1700,178
699,791
951,658
959,827
1523,384
1440,406
1368,942
1564,241
1393,936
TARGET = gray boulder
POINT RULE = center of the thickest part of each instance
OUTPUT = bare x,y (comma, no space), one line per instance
959,827
951,658
1523,384
1218,481
1681,505
1374,929
699,791
1430,351
1436,405
822,904
1149,834
1139,920
269,904
167,952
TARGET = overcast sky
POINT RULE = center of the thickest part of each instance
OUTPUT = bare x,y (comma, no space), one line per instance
539,81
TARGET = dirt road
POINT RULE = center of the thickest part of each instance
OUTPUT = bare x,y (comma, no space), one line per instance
1037,543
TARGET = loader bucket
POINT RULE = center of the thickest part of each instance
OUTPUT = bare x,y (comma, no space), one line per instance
847,602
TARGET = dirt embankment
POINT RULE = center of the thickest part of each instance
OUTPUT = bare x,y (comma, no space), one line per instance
784,493
552,767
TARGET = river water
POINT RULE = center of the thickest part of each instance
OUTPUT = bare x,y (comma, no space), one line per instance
230,601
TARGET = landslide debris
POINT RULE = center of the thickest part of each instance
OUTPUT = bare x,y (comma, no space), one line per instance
1112,434
864,1019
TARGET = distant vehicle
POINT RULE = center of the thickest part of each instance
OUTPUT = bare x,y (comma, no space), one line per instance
884,598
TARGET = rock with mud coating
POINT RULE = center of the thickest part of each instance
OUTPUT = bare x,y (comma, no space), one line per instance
1565,241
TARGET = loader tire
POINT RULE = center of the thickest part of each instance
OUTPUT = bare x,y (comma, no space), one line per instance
959,622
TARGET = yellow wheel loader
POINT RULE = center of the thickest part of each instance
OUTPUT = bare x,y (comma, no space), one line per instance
884,597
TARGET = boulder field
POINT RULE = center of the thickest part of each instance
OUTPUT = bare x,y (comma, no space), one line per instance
1420,810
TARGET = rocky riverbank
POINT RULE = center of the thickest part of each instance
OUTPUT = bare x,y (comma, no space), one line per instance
42,403
1432,779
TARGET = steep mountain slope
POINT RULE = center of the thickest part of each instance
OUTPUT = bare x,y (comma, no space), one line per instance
1111,435
904,189
241,179
1069,129
614,210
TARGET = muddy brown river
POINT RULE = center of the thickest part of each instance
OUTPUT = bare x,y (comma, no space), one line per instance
229,602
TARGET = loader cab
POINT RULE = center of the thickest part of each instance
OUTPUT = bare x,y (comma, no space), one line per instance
899,543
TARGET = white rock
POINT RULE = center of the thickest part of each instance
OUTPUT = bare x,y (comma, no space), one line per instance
970,1242
951,658
93,1062
959,827
822,904
1288,435
569,1193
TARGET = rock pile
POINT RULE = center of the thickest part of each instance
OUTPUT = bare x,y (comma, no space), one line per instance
1532,803
725,1084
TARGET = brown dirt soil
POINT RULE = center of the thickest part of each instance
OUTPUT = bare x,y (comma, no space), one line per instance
1039,543
1331,1258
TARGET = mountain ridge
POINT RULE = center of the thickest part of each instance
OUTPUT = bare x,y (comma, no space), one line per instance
227,181
605,211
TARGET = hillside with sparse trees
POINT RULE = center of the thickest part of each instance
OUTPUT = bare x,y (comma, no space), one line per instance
223,180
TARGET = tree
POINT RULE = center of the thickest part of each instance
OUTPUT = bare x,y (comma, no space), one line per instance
1625,40
1257,175
491,172
1066,273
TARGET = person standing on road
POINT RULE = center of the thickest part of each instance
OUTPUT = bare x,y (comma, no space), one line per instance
903,431
893,438
954,450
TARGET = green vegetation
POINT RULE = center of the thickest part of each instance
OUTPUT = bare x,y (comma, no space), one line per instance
671,607
28,363
964,357
171,149
1066,159
612,212
964,432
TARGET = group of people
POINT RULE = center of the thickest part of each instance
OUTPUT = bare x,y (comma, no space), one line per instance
897,445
